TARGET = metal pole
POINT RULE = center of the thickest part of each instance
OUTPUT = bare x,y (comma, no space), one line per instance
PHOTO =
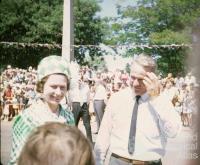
68,31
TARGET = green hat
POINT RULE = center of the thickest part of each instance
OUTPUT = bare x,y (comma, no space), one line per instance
51,65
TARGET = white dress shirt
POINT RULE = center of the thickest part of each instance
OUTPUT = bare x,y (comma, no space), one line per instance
100,93
84,93
156,121
74,94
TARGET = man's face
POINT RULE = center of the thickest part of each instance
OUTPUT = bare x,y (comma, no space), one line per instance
137,77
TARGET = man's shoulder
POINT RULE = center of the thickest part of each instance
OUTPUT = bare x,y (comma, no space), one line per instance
123,94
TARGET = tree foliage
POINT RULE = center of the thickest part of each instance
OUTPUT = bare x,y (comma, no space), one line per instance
160,22
87,28
41,21
31,21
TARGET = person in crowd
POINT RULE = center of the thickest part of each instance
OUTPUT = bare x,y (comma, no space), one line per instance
124,78
53,80
15,105
17,93
84,113
188,106
179,80
137,120
100,98
6,110
190,79
117,84
169,88
30,95
183,92
8,95
56,144
79,94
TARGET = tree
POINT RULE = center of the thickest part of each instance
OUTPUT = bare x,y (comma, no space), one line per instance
158,15
28,21
87,28
40,21
31,21
160,22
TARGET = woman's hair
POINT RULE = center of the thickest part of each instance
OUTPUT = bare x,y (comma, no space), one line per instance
40,84
57,144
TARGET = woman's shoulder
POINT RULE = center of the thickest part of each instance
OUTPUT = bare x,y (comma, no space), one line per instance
65,110
67,114
24,119
29,114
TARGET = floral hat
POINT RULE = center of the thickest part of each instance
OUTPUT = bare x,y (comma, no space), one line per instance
51,65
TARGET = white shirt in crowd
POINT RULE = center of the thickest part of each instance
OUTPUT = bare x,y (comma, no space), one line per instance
74,92
156,121
100,93
84,93
189,79
170,93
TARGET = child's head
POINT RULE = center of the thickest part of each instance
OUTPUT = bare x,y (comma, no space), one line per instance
56,144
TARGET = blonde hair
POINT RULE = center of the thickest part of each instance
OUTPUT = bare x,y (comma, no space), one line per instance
57,144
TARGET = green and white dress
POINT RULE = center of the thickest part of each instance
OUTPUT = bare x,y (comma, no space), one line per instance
32,117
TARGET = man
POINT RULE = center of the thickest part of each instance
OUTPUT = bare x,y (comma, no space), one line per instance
79,100
100,98
156,120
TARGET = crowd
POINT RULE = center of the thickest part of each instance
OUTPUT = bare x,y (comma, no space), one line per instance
93,88
18,90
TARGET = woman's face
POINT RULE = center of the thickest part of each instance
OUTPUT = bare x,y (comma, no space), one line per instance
55,89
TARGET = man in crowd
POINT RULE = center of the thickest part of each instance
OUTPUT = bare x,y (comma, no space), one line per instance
137,120
79,100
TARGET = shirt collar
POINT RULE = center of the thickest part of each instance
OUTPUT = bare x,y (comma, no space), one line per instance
144,97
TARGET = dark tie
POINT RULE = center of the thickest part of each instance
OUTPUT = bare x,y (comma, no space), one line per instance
131,142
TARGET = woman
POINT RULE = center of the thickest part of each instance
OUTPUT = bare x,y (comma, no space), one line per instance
53,83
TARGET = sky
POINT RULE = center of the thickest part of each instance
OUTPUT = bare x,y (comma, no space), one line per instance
109,6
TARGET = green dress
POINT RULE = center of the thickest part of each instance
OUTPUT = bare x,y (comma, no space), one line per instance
32,117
